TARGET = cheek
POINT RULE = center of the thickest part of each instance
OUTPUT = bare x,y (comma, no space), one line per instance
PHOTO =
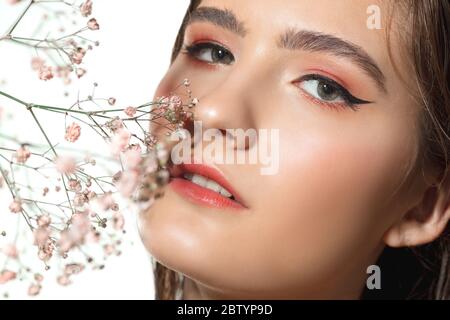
333,192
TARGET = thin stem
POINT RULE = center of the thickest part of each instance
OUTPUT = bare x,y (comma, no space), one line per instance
19,19
43,132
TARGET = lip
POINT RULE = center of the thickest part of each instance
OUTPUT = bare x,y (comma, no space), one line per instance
201,195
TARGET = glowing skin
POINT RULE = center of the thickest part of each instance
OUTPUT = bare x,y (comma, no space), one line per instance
343,191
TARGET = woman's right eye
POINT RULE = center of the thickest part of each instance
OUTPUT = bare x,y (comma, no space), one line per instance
210,53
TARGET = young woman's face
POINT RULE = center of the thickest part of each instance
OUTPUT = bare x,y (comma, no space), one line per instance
348,130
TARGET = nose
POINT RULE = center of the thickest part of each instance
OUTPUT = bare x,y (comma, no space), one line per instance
227,105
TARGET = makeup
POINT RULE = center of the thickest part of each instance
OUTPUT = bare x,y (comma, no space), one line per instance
204,185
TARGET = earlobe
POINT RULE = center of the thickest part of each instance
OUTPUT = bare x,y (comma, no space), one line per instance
422,224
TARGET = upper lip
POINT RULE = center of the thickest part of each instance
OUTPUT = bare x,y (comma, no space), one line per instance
207,172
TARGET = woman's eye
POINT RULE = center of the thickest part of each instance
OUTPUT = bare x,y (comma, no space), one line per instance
210,53
328,91
322,90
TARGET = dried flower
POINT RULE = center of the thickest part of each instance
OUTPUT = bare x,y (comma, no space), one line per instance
74,185
80,72
22,154
78,55
7,275
120,141
37,63
65,165
44,221
93,24
63,280
112,101
45,73
130,111
34,289
15,206
10,251
73,132
86,8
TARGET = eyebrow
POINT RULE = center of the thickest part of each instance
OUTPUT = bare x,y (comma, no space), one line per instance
220,17
306,40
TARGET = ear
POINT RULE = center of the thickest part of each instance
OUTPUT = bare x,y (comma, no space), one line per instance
425,222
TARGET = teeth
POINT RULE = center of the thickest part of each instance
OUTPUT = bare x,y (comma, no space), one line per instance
207,183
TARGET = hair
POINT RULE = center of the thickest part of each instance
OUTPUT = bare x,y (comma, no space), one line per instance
414,272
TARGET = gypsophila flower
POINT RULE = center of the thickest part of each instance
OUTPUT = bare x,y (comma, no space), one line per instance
15,206
73,132
78,55
65,165
80,72
10,251
37,63
86,8
34,289
120,141
112,101
7,275
130,111
45,73
22,154
93,24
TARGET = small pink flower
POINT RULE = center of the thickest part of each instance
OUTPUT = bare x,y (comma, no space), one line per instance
65,165
15,206
92,24
74,185
78,55
175,102
163,102
41,236
46,251
79,200
73,132
38,277
118,221
132,159
73,268
128,183
130,111
80,72
45,73
63,280
120,141
22,154
14,1
34,289
37,63
112,101
115,124
86,8
44,221
7,275
108,249
65,243
10,251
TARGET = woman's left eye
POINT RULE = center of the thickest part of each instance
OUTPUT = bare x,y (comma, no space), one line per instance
210,53
327,91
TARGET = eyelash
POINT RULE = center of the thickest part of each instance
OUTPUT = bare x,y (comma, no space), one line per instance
349,101
194,49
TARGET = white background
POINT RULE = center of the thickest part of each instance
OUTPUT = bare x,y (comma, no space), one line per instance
136,39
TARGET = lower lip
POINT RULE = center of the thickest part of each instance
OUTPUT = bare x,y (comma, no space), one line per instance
202,196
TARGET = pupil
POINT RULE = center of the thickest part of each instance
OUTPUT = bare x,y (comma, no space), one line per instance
219,54
327,91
